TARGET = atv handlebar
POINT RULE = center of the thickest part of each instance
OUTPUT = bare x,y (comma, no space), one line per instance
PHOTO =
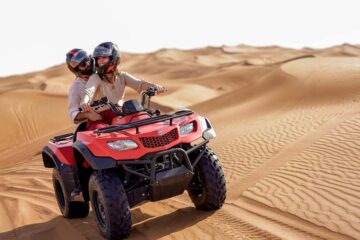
98,104
146,95
150,91
103,102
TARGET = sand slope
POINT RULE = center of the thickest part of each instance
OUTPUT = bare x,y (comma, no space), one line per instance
288,138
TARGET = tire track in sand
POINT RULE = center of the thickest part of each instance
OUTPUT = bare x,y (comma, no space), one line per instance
320,183
224,222
265,138
290,150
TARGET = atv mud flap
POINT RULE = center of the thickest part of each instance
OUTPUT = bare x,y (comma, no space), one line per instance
170,183
68,174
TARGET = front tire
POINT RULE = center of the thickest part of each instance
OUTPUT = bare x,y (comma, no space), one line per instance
110,205
207,189
68,209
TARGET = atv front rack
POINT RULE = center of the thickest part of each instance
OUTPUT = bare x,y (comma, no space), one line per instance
144,122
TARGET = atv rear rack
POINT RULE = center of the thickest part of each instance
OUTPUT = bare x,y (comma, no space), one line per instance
144,122
62,137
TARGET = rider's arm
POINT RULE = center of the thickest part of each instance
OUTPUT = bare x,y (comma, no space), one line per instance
137,84
74,99
92,115
81,116
90,89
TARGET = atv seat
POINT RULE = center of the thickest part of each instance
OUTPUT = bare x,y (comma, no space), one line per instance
81,127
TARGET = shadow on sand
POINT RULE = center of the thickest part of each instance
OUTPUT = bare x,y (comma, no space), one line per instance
145,226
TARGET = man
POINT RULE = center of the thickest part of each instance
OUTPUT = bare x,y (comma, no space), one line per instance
81,64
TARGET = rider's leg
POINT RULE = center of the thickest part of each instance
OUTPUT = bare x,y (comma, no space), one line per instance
107,117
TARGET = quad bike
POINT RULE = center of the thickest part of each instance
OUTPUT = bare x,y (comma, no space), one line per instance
142,156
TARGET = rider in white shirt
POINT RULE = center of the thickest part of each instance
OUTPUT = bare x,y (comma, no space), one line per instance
109,82
82,65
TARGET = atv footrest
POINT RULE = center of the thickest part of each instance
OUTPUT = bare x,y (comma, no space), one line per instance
170,183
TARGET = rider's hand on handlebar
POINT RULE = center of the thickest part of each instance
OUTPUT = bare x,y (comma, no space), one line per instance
86,107
159,88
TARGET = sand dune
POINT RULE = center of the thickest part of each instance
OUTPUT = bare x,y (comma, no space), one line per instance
288,131
180,98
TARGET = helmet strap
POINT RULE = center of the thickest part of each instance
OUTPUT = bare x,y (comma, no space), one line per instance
103,73
105,77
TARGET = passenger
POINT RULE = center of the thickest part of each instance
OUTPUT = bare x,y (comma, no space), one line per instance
82,65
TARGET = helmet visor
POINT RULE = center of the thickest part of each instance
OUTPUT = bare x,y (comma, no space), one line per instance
77,58
84,63
101,51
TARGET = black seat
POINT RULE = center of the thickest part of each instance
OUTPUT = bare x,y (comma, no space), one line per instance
80,128
132,106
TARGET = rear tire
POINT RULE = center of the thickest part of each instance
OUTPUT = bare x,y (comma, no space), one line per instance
110,205
68,209
207,188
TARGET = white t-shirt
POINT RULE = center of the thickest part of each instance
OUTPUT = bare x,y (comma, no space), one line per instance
76,93
115,92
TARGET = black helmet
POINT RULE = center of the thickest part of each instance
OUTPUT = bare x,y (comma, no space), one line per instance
107,49
76,57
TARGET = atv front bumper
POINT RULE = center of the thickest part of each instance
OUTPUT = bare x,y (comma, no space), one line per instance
163,184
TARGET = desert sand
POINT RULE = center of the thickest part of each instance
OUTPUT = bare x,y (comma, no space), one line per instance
288,126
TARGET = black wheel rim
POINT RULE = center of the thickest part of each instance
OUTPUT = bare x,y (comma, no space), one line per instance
59,194
99,208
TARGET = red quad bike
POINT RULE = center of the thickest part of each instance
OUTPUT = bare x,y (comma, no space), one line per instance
142,156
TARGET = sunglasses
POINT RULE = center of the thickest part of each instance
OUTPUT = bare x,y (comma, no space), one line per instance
84,63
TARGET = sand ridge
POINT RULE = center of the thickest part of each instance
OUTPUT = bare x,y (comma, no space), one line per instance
288,131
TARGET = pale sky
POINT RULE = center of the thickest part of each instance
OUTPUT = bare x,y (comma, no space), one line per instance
37,34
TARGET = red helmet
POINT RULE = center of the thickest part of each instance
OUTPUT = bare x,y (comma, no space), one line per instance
107,49
77,57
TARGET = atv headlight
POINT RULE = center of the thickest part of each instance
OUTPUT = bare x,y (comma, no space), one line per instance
203,124
122,145
186,129
207,130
